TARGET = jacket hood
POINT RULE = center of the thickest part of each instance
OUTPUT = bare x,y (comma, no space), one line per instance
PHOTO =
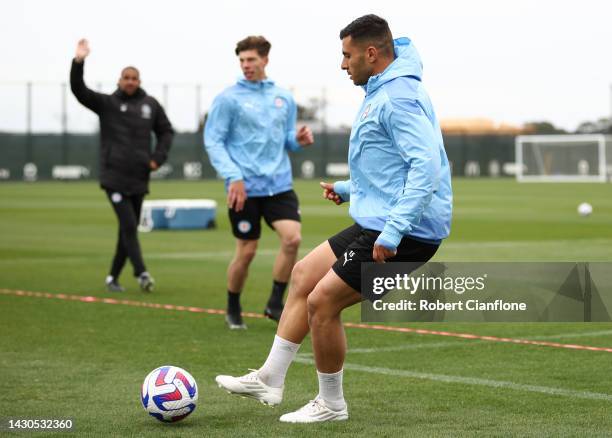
256,85
123,96
407,63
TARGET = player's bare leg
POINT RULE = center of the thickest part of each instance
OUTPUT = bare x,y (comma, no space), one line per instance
325,304
237,273
267,383
293,325
329,298
289,233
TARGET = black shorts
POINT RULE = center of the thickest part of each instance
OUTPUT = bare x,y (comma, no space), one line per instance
246,224
354,245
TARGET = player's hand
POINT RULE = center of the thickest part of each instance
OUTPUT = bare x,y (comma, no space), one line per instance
304,136
153,165
236,196
380,253
82,50
328,193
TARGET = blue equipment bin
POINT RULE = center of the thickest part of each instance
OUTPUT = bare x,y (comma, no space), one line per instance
178,214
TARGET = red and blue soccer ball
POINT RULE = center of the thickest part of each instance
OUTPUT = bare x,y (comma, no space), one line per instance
169,394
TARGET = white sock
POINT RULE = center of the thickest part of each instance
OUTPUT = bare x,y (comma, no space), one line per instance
274,370
330,390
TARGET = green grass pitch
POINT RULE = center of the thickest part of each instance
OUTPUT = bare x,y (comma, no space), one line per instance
86,361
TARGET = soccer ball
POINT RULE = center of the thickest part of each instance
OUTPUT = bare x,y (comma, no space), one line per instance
169,394
585,209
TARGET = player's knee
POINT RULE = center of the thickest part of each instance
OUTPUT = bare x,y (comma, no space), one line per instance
292,244
246,253
299,278
319,306
313,304
247,256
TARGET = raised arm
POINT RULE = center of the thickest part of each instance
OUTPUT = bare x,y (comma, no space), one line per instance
84,95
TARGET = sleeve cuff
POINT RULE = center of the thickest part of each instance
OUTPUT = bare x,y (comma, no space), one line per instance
159,159
343,188
293,145
389,238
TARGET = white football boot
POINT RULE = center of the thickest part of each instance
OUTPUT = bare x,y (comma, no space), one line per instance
315,411
250,385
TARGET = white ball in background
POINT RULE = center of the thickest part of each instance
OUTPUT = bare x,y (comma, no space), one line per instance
585,209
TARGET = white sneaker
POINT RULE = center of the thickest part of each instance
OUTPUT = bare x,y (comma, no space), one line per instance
146,282
250,385
314,412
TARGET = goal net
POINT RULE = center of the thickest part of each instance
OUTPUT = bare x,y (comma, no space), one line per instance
564,158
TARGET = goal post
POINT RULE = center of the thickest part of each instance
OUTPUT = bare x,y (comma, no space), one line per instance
563,158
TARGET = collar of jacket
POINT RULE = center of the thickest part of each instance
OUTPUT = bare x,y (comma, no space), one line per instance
256,85
123,96
407,62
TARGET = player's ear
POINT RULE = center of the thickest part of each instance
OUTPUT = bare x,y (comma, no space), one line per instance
371,54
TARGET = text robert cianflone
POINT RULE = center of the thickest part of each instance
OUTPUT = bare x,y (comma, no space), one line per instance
437,305
413,284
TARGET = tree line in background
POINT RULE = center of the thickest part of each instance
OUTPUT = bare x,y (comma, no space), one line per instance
312,112
601,126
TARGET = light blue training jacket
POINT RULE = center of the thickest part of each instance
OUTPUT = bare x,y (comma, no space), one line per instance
250,127
399,174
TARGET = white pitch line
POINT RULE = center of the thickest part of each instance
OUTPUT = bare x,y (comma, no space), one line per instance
416,346
206,254
192,255
573,335
463,342
587,395
519,243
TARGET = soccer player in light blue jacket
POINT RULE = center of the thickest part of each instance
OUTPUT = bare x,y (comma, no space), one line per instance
251,126
400,198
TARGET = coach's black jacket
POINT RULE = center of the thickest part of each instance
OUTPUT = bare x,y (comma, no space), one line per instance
126,123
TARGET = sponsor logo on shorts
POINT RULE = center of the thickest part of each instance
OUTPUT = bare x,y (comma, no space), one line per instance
244,227
116,198
348,257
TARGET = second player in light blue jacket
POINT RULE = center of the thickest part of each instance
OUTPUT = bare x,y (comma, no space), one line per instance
251,126
399,173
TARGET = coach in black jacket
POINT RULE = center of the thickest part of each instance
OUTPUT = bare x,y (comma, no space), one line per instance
127,118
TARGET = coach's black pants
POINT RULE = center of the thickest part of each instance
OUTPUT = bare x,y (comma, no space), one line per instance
127,208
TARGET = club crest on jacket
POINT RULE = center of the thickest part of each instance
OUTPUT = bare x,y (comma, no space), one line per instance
145,111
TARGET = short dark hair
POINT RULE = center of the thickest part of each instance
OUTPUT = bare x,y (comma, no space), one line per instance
130,67
370,29
258,43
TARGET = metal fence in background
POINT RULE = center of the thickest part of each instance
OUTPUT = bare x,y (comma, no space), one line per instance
46,134
50,107
75,156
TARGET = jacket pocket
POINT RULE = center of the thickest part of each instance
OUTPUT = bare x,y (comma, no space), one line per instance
140,162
